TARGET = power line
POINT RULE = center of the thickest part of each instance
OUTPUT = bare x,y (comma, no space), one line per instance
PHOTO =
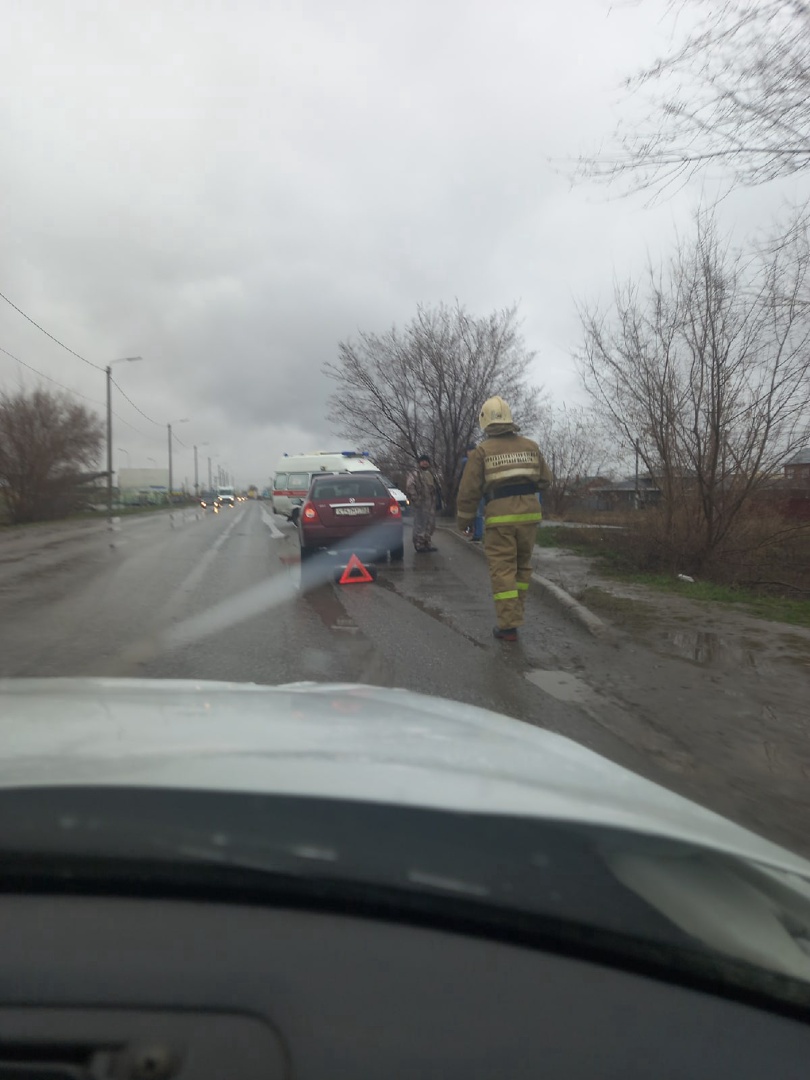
84,360
78,356
45,332
70,389
56,382
132,426
134,406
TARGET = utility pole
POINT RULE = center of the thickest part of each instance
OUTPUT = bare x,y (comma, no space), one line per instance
109,443
169,426
108,373
210,483
196,472
635,445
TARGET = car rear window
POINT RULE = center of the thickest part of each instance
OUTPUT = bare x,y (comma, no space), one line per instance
333,487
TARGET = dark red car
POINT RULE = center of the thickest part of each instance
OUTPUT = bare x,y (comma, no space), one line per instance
351,512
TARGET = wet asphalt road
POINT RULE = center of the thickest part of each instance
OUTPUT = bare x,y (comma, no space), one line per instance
88,602
193,595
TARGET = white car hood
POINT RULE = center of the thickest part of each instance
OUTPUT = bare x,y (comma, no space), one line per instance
345,742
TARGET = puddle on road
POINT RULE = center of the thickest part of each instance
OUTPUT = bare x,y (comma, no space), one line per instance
562,685
330,610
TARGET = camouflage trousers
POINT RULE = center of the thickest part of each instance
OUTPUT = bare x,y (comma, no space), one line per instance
424,522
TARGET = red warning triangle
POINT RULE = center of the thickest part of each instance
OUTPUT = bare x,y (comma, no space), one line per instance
354,572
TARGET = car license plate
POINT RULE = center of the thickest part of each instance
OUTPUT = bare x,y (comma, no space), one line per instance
352,511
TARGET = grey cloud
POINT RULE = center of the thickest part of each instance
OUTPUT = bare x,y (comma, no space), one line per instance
230,189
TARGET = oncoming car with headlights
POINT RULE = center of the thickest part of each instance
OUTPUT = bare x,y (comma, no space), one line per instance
346,511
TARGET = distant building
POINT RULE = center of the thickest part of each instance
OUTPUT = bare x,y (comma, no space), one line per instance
627,494
585,492
797,470
143,487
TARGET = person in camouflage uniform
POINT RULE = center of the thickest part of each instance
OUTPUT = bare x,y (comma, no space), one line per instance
422,488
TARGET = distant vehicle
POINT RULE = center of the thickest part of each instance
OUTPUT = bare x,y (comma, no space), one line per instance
226,497
253,492
400,496
351,511
295,472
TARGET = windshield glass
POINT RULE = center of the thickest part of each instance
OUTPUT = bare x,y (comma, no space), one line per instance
335,487
546,269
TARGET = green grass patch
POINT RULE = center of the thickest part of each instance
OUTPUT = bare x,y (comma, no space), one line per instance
621,609
89,515
546,538
775,608
580,541
604,546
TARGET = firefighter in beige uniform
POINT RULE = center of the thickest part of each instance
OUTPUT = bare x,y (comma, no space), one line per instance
509,471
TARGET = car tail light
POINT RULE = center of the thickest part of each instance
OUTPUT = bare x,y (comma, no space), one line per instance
393,508
309,513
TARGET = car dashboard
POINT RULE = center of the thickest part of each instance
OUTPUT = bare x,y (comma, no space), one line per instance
224,960
147,988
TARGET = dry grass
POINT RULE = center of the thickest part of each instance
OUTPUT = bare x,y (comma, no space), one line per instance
620,518
764,565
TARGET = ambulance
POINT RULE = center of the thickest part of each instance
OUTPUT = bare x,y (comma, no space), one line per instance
294,474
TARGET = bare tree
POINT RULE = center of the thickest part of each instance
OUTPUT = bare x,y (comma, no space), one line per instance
734,94
420,389
46,442
708,367
575,445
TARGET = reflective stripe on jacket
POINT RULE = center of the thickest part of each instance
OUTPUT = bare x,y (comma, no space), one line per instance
502,460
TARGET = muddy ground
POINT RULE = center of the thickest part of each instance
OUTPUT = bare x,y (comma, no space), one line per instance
721,699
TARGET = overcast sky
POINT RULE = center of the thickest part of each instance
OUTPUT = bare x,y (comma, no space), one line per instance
229,189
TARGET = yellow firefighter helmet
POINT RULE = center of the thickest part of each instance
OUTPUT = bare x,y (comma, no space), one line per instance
494,411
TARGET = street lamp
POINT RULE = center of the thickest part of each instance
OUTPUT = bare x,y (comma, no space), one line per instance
196,477
169,426
123,450
120,360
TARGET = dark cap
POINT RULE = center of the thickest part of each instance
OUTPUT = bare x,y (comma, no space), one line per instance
423,457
